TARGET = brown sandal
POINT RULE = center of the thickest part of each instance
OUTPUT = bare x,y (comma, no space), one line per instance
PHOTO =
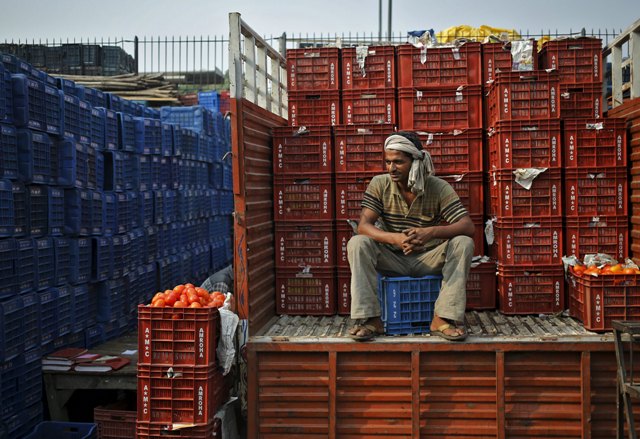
370,332
440,332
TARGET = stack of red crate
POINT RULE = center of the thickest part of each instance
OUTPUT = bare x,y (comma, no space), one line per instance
178,380
524,135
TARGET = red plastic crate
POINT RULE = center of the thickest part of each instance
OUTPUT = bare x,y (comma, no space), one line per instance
114,422
180,394
478,237
600,234
376,70
510,199
525,144
579,60
147,430
305,150
308,108
481,286
496,57
524,96
369,106
536,289
459,151
344,291
302,292
302,244
594,192
469,188
225,101
309,198
350,190
360,148
597,301
442,109
344,232
177,336
581,101
527,241
313,69
439,67
595,143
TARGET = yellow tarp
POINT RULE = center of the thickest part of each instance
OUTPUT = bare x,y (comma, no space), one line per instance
475,33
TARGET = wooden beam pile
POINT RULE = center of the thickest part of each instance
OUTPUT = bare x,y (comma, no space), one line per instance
152,88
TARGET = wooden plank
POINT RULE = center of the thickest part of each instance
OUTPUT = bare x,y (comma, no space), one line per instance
500,402
585,376
333,378
415,394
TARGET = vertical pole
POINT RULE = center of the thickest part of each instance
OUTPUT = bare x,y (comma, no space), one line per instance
389,20
235,60
135,53
379,20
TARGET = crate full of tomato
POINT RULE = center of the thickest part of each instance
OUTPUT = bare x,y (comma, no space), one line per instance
602,292
180,327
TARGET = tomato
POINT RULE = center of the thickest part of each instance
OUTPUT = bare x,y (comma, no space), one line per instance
616,268
579,269
629,271
180,304
189,286
183,298
195,305
178,288
158,303
157,296
171,299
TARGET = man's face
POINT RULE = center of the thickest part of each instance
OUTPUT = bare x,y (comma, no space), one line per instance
398,165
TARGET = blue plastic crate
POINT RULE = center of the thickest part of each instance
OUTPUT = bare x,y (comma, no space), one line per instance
38,210
226,202
407,303
121,255
137,245
177,141
200,262
7,213
170,205
64,430
218,253
68,86
78,213
196,118
34,156
190,144
31,385
94,335
149,135
48,315
8,152
167,140
77,118
102,257
31,417
62,253
15,64
227,176
116,103
148,282
146,208
112,300
92,168
124,212
6,91
20,209
97,213
11,398
95,97
98,167
169,272
97,128
175,174
25,265
7,267
110,207
37,106
80,262
45,262
65,310
164,240
111,136
80,306
146,173
69,172
55,211
11,328
127,133
31,320
209,100
152,244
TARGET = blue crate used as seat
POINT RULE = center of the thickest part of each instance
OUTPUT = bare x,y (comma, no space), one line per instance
20,209
8,152
65,310
62,254
127,133
48,315
37,105
7,212
26,265
80,306
78,212
64,430
45,262
31,320
149,135
34,156
98,120
112,300
7,267
77,118
102,257
407,303
97,98
11,328
80,262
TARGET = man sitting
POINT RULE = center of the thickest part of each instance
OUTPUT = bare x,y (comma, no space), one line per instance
424,230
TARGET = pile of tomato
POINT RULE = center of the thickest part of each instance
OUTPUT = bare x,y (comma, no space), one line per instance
188,296
608,269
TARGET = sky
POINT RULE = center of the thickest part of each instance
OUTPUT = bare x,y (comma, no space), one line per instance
82,19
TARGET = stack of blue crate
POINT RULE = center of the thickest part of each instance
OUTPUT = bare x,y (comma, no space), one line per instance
103,202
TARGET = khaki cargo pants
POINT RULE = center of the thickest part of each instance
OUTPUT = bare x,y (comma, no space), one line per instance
367,258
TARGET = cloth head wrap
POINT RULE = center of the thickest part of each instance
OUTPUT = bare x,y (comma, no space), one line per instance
422,165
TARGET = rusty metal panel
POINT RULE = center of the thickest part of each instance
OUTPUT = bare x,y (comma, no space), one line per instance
542,394
373,395
254,252
458,395
293,395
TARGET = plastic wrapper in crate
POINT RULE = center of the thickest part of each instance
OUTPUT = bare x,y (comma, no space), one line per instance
533,289
34,156
369,106
306,291
115,421
527,241
597,301
350,190
579,60
581,101
525,144
368,68
496,57
595,143
302,244
313,69
458,151
524,96
360,148
308,108
303,198
440,66
147,430
302,150
597,234
440,109
596,191
191,394
510,199
37,105
481,286
407,303
8,152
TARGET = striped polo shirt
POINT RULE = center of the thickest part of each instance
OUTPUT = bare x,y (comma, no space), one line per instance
437,204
